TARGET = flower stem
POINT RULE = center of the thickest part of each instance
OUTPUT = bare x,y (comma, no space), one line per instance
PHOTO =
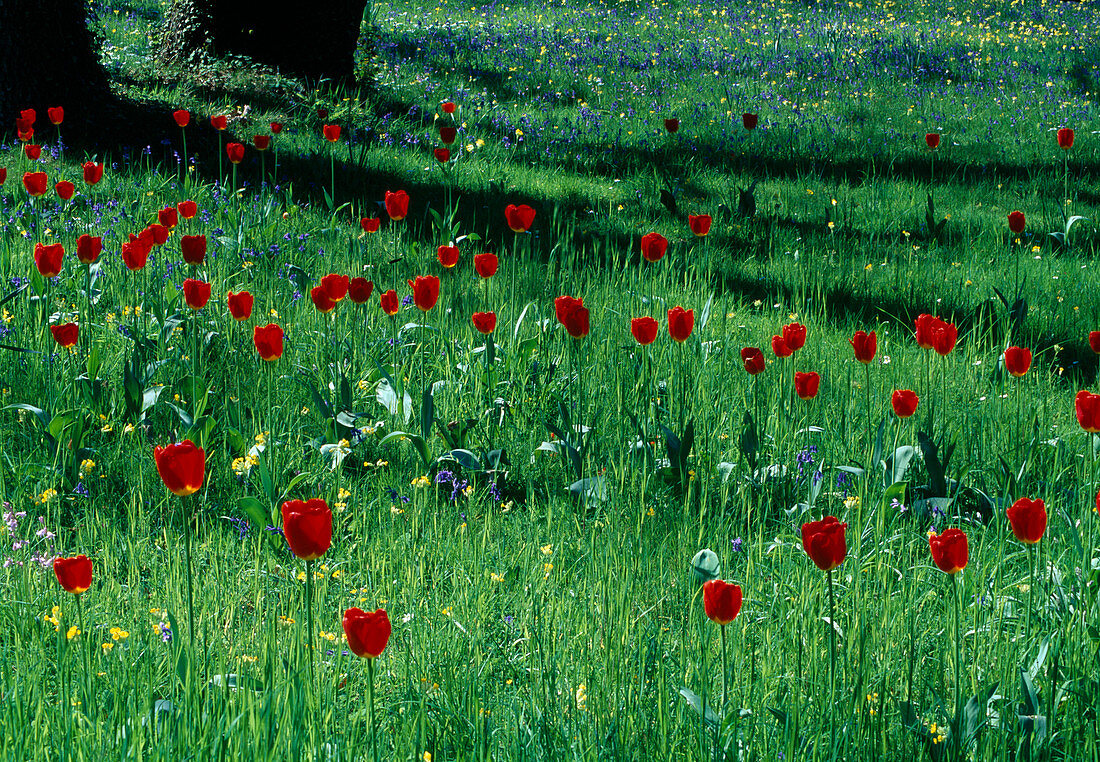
370,697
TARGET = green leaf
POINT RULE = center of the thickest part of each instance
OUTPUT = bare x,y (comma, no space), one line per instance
464,458
427,413
256,512
417,442
701,706
705,566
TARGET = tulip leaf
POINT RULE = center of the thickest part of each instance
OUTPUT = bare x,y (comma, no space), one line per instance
976,713
898,464
37,412
14,348
256,512
388,398
895,491
876,454
417,442
705,566
591,490
701,706
5,299
427,413
464,458
749,441
705,316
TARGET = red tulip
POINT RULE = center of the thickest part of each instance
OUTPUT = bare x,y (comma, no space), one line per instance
240,305
750,121
447,256
904,402
485,322
3,175
389,302
1016,222
644,330
32,152
1028,519
572,314
448,107
74,574
672,125
307,526
135,253
367,633
65,190
933,140
1087,406
182,117
447,135
795,336
25,136
949,550
824,542
35,183
753,360
360,289
425,291
654,246
699,224
321,300
397,205
193,248
156,233
519,217
780,348
865,346
169,217
721,601
680,323
1017,361
925,324
235,152
93,172
196,293
261,142
187,209
336,286
331,132
1065,138
269,341
181,467
276,128
806,385
56,115
66,334
88,248
219,122
442,155
486,264
1094,341
944,337
48,259
370,225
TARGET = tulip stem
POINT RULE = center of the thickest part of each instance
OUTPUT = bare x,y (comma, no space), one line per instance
309,634
190,582
725,668
832,663
370,698
87,655
956,723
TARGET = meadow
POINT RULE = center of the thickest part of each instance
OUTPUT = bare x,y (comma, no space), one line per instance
556,359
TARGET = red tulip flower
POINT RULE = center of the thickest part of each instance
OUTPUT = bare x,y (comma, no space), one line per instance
699,224
944,337
389,302
519,217
654,246
447,256
1094,341
933,140
397,205
93,172
32,152
182,117
25,135
235,152
169,217
276,128
261,142
88,248
680,323
74,574
749,121
806,385
795,336
484,322
28,115
865,345
949,550
644,330
447,135
187,209
485,265
721,601
367,632
425,291
369,224
193,248
448,107
753,360
336,286
36,183
573,315
780,348
3,175
1065,138
824,542
321,299
268,340
924,325
240,305
672,125
157,233
66,334
904,402
1087,406
219,122
307,526
1028,519
360,289
1016,222
331,132
1017,361
196,293
56,115
442,155
135,254
48,259
181,467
